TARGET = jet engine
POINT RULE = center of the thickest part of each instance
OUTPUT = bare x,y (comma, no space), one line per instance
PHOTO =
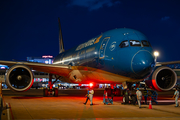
163,79
19,78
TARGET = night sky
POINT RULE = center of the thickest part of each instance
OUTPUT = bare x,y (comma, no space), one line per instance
30,27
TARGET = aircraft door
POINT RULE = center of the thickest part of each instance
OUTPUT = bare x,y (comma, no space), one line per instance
103,47
102,50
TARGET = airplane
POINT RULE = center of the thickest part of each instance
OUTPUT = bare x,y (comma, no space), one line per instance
118,56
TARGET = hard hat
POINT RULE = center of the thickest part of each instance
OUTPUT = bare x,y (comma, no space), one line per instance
137,88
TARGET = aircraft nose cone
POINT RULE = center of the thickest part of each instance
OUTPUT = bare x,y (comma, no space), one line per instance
142,63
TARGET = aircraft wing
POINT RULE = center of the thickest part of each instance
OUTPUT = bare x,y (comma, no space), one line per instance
62,70
166,63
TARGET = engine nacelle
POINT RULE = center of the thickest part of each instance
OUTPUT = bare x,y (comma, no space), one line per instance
19,78
163,79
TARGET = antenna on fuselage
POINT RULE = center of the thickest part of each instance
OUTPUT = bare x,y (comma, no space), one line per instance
61,44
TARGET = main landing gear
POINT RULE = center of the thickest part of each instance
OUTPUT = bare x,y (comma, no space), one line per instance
50,91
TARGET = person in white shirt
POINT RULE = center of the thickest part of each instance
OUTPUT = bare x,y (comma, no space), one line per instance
91,92
139,97
176,95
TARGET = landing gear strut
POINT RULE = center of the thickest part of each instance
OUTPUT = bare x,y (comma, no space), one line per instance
50,91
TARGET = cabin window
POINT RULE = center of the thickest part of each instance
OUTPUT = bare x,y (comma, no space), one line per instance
68,58
145,43
149,44
124,44
90,49
74,55
83,52
135,43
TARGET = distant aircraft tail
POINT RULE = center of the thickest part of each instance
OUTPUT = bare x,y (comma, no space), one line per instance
61,44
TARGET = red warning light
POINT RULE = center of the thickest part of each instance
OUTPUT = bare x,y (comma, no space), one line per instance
90,84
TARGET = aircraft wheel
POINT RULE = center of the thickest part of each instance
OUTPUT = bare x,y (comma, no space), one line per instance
55,92
45,92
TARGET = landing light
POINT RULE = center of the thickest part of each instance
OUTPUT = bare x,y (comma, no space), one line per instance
156,53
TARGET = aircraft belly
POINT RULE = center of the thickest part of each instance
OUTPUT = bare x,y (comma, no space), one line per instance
82,74
103,77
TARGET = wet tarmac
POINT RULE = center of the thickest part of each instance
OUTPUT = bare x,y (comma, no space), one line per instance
31,105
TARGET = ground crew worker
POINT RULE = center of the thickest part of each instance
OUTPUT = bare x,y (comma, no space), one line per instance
176,95
126,96
112,93
139,96
87,96
105,97
91,92
145,95
154,96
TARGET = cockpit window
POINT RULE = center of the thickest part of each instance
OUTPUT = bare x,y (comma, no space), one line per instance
124,44
145,43
135,43
149,44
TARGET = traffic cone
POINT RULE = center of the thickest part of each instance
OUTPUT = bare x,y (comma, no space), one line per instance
150,104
